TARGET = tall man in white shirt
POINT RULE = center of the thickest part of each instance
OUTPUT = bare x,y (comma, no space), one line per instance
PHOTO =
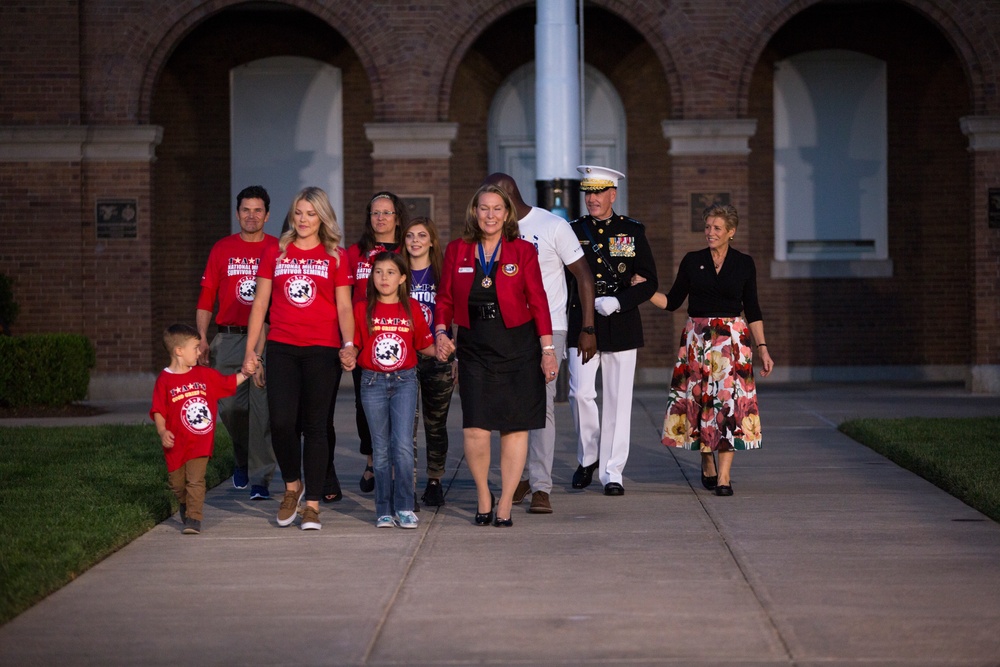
557,247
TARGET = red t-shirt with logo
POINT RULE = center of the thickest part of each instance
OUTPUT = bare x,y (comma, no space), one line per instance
361,267
303,294
188,403
231,272
393,343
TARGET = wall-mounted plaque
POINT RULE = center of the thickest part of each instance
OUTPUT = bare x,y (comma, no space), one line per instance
419,206
117,218
702,200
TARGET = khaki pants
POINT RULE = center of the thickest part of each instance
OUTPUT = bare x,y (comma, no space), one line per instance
188,484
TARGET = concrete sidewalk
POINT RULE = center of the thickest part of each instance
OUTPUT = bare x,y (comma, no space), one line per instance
828,554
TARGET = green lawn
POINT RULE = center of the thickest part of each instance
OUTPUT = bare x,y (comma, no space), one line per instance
71,496
961,456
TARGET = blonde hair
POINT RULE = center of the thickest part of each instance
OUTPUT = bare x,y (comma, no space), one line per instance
329,231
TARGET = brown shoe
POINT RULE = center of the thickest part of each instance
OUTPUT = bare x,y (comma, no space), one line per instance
521,491
289,507
540,503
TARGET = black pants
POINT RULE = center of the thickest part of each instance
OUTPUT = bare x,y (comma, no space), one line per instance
359,415
301,382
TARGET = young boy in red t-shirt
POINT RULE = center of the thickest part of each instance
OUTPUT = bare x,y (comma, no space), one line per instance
184,410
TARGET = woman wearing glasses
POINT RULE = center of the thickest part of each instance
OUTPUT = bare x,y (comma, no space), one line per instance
385,217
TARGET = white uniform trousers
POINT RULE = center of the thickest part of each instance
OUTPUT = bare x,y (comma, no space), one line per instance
606,442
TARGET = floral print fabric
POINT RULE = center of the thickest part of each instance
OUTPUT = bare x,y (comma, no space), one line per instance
712,404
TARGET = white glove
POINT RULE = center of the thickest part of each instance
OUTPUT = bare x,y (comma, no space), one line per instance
607,305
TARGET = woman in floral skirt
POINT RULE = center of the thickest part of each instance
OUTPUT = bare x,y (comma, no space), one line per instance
712,406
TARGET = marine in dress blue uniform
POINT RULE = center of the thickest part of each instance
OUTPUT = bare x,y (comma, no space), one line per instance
616,249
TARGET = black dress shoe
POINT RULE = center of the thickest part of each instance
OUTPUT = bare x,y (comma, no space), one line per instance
433,494
502,523
584,475
486,518
367,484
724,490
614,489
331,487
706,481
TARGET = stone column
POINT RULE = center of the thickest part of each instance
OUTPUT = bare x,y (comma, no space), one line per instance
984,145
557,105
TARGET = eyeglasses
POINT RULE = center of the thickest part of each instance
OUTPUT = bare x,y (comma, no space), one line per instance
382,214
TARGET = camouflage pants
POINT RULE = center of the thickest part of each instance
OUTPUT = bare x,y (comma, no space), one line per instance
436,387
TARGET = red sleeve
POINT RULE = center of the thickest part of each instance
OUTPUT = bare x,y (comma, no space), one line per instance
209,282
222,385
360,325
534,292
267,262
444,307
422,336
159,398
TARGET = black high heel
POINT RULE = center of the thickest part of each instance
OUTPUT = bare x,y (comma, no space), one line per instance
503,523
710,482
485,519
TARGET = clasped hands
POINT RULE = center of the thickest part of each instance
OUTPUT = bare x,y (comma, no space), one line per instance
253,366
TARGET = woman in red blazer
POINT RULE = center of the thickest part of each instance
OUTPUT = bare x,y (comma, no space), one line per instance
492,289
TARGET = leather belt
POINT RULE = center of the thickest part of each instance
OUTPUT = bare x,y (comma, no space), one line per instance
486,311
232,330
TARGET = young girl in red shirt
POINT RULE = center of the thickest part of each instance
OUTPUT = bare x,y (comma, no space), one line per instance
391,330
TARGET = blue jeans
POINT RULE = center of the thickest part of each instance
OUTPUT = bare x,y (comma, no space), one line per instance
390,403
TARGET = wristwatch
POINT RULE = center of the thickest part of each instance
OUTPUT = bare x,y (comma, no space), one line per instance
588,330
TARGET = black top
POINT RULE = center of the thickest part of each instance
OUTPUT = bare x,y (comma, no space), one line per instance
726,294
615,249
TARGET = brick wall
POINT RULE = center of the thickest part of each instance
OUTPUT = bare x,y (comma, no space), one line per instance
920,314
123,62
40,63
40,237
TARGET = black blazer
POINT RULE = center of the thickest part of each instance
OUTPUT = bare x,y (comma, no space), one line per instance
615,251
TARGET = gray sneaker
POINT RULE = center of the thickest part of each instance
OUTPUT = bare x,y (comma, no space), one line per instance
407,519
191,526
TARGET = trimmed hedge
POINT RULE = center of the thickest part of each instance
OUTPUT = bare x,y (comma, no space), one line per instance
44,369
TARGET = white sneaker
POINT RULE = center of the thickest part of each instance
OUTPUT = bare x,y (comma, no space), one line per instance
385,522
407,519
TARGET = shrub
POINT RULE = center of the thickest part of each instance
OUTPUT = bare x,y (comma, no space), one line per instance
44,369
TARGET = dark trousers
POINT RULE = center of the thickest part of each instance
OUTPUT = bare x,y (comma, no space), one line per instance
359,415
301,381
436,387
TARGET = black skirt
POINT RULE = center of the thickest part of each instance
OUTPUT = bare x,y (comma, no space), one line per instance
500,379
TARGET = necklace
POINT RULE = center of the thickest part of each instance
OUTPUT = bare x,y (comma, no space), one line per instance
488,266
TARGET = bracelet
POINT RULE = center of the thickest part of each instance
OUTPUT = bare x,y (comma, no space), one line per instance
349,344
443,331
548,347
548,353
762,345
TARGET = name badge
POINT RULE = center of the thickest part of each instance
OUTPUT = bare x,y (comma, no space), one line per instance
466,269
